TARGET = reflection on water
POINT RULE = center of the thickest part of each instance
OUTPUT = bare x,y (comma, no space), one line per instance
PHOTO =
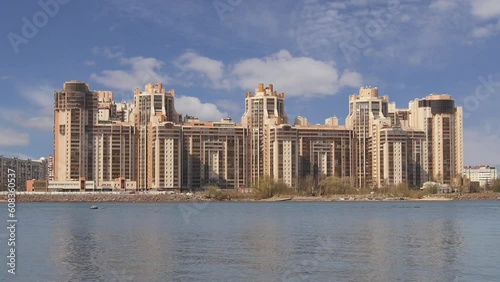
259,242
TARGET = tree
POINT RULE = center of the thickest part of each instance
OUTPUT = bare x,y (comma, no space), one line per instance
496,185
306,184
334,185
268,187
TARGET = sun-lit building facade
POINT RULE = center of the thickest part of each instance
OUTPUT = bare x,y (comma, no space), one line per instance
147,144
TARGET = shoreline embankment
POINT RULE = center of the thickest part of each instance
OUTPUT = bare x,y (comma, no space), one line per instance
203,197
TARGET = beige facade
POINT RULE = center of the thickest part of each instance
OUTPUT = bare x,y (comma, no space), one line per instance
364,109
396,157
394,146
442,123
324,151
110,143
165,156
113,153
74,112
263,110
153,102
214,153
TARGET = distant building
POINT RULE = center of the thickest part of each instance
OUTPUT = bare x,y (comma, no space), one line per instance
484,175
300,120
24,170
37,185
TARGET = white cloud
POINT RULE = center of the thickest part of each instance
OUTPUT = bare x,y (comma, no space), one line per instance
192,106
12,138
38,110
38,95
140,71
485,9
212,69
296,76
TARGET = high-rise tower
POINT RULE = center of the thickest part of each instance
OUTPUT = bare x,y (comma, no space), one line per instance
74,110
263,110
153,102
363,110
442,123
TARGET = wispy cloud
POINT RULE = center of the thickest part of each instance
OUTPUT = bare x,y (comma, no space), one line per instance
89,63
37,112
13,138
138,71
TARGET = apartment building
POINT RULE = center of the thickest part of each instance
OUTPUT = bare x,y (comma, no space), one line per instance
74,113
483,174
325,150
152,103
214,153
113,153
164,159
364,109
263,110
442,123
25,169
105,142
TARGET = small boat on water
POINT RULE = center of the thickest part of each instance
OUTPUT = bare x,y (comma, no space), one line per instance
283,199
93,207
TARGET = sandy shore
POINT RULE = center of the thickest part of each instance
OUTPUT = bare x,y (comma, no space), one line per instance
200,197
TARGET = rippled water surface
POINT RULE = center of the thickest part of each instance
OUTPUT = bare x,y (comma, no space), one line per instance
383,241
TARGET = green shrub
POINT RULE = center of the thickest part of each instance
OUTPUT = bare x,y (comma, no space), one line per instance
267,187
496,185
214,192
335,185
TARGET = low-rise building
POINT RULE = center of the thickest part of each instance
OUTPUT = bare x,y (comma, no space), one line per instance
483,174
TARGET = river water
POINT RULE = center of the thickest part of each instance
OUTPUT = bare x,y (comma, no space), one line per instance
285,241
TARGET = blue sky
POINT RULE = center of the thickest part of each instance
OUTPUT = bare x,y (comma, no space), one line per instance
212,52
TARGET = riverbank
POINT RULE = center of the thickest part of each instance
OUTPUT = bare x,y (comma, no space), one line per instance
236,197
